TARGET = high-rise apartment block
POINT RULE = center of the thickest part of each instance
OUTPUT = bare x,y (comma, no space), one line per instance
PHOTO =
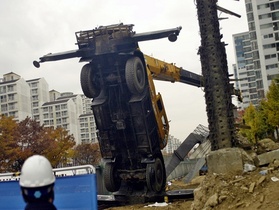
257,50
32,98
15,97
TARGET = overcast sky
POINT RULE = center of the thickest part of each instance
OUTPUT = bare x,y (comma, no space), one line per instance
30,29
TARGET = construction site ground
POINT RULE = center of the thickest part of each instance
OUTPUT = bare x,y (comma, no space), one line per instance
256,188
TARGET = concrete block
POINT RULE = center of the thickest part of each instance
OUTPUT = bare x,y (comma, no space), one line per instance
268,157
222,161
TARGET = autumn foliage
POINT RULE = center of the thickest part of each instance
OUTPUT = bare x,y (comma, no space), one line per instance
20,140
87,154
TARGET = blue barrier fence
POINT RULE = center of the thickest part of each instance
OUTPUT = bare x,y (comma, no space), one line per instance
71,193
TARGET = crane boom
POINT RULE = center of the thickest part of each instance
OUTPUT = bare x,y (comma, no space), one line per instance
164,71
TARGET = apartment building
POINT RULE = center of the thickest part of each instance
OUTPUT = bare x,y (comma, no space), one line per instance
61,113
20,98
173,144
244,71
15,97
260,47
71,111
39,93
88,129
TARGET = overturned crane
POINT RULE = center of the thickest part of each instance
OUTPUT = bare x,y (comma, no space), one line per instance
131,119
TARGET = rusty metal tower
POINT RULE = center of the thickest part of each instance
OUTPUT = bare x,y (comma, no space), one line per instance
217,86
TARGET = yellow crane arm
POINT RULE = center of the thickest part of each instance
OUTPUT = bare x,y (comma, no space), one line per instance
164,71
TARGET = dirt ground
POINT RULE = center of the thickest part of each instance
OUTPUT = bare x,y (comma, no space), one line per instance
256,189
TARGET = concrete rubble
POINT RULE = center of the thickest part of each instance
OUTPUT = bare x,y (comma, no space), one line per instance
238,179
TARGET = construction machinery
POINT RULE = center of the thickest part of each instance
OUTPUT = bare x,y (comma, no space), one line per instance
130,115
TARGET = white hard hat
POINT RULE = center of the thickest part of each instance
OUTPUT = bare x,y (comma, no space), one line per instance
36,172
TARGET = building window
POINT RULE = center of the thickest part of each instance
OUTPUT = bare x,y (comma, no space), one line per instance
11,97
264,16
259,84
250,17
3,89
34,91
34,84
254,45
249,7
63,106
268,46
64,113
271,77
257,64
262,6
274,6
3,99
35,104
251,26
57,107
270,56
265,26
275,16
36,117
45,109
272,66
4,107
275,26
267,36
10,88
12,106
258,74
35,98
250,73
13,114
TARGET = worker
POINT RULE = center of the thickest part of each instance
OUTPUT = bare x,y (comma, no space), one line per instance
37,183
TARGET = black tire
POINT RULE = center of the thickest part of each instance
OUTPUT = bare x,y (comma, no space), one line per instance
150,176
90,84
135,75
111,179
156,176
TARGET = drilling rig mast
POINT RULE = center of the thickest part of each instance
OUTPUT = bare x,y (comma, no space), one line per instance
216,78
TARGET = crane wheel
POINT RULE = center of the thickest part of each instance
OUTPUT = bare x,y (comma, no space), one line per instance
155,176
90,84
135,75
111,179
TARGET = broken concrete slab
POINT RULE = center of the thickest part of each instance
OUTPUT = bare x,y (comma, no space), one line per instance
268,157
227,160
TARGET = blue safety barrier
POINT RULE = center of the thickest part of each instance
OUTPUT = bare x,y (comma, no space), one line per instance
77,192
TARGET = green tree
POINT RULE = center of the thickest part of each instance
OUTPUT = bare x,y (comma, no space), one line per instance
256,119
8,144
87,154
271,105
